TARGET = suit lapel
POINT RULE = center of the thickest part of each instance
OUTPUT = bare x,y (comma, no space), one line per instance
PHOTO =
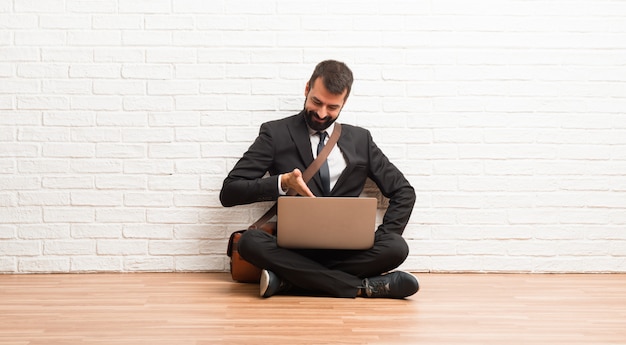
300,136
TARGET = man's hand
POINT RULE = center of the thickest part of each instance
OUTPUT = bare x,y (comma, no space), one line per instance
294,180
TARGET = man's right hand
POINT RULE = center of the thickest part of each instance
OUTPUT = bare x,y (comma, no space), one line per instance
294,181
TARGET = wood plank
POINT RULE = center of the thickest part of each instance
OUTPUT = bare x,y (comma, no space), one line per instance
208,308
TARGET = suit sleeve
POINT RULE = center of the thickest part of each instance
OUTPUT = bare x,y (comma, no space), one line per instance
393,185
246,183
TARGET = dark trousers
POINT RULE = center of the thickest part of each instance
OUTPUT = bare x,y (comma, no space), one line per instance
338,273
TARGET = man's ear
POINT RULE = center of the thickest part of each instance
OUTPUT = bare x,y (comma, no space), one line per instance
306,89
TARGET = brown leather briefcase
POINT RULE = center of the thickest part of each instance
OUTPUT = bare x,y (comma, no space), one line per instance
240,269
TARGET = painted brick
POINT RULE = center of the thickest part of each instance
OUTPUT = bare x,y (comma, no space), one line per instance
201,263
96,231
20,248
7,232
149,264
95,264
122,247
8,265
47,231
151,231
43,198
117,21
117,215
20,215
44,264
69,215
69,247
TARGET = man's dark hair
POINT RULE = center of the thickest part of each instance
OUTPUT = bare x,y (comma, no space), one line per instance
335,75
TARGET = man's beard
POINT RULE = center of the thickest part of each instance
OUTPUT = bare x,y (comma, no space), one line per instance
309,116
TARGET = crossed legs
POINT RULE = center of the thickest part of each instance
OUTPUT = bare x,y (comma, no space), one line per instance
339,273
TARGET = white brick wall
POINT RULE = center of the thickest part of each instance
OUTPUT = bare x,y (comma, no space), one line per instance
119,120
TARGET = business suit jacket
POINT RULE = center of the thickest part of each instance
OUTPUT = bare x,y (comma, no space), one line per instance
284,144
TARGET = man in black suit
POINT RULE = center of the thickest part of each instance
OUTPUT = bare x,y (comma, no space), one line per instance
284,148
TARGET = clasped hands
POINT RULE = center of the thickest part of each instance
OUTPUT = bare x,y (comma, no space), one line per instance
294,181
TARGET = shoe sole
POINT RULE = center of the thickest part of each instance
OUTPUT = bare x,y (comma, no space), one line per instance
264,284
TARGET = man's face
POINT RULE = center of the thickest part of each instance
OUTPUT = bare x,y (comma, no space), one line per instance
321,106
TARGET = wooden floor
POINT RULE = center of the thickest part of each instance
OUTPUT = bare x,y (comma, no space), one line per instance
207,308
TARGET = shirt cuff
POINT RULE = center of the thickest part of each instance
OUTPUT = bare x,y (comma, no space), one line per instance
280,189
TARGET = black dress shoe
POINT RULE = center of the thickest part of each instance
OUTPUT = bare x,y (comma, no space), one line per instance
396,284
271,284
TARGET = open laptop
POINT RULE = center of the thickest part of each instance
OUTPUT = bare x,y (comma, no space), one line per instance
326,222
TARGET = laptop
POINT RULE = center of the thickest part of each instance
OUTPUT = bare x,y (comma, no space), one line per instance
326,222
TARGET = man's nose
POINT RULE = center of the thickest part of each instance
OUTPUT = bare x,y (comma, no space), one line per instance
322,112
